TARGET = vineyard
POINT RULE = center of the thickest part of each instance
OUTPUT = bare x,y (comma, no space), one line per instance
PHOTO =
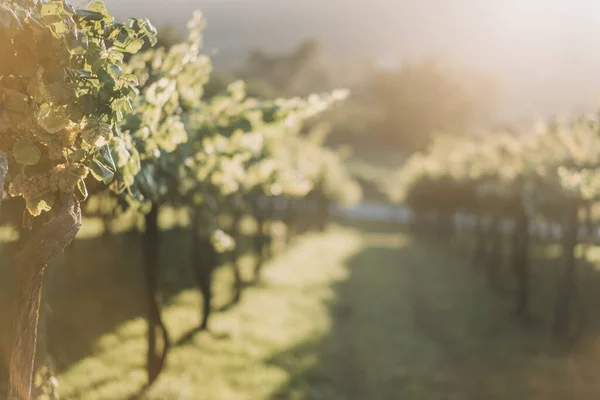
88,113
161,241
513,191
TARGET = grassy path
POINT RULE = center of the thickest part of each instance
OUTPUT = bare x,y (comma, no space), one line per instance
352,314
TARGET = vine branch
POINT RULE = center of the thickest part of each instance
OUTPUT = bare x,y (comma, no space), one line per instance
44,243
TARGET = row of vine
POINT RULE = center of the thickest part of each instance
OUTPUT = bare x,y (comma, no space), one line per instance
506,184
89,109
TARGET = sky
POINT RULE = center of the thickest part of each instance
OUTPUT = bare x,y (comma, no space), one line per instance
543,53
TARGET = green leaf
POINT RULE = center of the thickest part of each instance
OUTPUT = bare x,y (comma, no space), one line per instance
105,157
97,134
115,57
100,7
123,36
130,79
83,73
87,103
52,119
134,46
78,45
149,30
115,71
82,192
68,7
26,152
122,105
100,171
116,31
36,205
147,27
106,78
51,9
77,156
89,15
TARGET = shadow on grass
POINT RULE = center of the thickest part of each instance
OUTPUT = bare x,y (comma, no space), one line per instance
373,226
412,321
102,286
97,286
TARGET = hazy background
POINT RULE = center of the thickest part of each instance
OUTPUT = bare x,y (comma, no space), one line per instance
543,52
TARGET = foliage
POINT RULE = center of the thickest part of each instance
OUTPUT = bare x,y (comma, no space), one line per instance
416,101
73,104
63,91
400,108
299,72
187,150
556,161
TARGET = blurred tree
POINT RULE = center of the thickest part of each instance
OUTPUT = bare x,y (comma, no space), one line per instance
417,100
217,83
219,79
300,72
168,36
396,109
393,109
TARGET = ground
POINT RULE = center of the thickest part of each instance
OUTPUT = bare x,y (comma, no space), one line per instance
358,312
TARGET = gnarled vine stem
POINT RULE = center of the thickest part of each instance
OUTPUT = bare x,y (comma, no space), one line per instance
3,172
44,243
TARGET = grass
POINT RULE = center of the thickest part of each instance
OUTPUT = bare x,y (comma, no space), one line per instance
358,312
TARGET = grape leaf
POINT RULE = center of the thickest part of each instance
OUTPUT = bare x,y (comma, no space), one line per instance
134,46
100,171
26,152
89,15
52,119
